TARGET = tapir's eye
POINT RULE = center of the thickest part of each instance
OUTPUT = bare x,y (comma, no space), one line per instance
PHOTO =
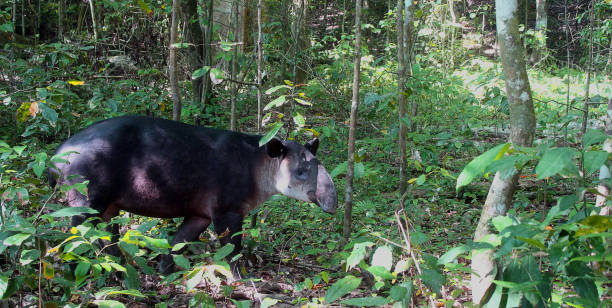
301,172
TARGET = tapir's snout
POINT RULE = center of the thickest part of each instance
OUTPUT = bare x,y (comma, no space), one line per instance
326,195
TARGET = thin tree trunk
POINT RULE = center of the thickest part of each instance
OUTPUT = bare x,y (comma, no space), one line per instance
604,171
193,33
585,108
348,204
259,67
14,17
94,25
23,18
60,26
540,27
567,54
522,130
401,101
234,69
408,44
176,98
207,33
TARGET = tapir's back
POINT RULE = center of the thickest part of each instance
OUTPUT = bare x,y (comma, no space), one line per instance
161,168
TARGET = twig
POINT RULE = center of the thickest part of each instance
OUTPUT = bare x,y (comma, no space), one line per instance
246,83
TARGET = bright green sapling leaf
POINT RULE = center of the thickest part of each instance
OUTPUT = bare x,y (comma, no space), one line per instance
270,134
593,136
223,252
553,161
478,165
341,288
374,301
357,254
72,211
593,160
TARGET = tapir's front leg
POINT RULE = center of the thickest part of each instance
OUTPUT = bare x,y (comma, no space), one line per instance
230,223
188,231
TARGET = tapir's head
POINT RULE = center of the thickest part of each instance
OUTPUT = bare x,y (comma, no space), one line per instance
300,174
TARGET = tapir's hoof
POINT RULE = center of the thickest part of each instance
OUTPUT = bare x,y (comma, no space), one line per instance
166,265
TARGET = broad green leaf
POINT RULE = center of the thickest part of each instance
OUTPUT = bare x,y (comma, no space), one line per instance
583,284
242,304
276,102
299,120
268,302
357,254
479,164
452,254
82,270
402,265
200,72
432,279
193,278
109,304
181,261
593,160
341,168
383,257
553,161
16,240
418,238
302,102
563,205
223,252
28,256
341,288
130,292
145,7
398,293
48,270
532,242
72,211
270,134
380,272
592,136
4,282
48,113
274,89
216,75
501,222
375,301
132,279
421,179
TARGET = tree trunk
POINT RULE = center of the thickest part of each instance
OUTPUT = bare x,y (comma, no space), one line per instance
259,64
348,203
585,108
193,34
207,30
540,27
604,171
94,25
172,71
234,68
522,130
60,27
14,18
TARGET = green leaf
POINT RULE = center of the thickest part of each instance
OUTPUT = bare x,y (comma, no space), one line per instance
532,242
193,278
341,168
268,302
299,120
279,101
109,304
357,254
380,272
274,89
270,134
216,75
452,254
341,288
418,238
479,164
242,304
28,256
583,284
383,257
181,261
553,161
421,179
432,279
223,252
72,211
17,239
81,270
4,282
48,113
200,72
593,160
593,136
374,301
398,293
563,205
302,102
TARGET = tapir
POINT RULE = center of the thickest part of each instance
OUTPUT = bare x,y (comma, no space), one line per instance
167,169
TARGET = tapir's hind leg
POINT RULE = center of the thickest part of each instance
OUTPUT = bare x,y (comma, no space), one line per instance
188,231
226,225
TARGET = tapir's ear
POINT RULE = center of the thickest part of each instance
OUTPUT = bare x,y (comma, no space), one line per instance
312,146
276,147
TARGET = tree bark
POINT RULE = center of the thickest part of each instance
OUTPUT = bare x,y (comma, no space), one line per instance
540,27
207,31
259,64
522,130
94,25
176,98
234,69
193,34
585,108
348,203
604,171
